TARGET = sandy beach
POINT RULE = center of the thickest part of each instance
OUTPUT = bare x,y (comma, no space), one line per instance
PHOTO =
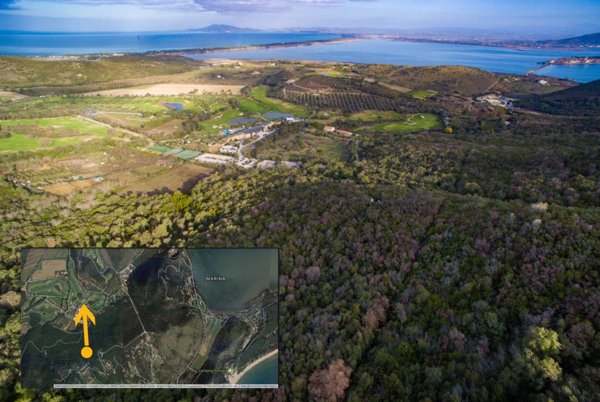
235,377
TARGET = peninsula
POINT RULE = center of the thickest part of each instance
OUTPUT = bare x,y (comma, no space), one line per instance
184,52
566,61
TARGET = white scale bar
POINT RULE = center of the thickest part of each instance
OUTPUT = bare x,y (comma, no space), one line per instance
182,386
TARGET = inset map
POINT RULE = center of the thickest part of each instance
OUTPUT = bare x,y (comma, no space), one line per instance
177,317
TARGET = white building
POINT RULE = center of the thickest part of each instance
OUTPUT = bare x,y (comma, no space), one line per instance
266,164
215,159
247,163
292,164
228,149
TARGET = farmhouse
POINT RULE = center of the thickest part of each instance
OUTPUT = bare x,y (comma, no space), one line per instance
496,100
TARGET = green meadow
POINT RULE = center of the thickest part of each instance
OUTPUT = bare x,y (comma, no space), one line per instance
423,94
17,141
72,123
417,122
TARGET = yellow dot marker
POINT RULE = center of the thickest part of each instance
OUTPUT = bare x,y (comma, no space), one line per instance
84,314
86,352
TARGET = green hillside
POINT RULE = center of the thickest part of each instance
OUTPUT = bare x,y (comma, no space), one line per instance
582,100
19,72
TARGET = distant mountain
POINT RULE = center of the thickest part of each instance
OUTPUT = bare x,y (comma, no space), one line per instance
222,28
590,40
582,100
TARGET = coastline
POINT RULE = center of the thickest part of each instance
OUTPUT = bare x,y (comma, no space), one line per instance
514,45
235,377
193,51
566,61
255,47
344,38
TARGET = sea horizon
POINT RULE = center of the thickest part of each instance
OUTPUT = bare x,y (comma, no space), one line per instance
45,44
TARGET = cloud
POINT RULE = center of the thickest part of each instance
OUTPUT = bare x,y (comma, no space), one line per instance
228,6
219,6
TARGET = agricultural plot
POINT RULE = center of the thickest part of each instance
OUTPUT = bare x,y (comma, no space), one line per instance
255,105
112,167
18,142
301,147
258,104
348,102
128,120
423,94
375,116
152,105
72,123
32,134
181,178
412,123
11,95
169,89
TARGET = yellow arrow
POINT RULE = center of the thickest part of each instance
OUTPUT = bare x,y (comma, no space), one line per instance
85,314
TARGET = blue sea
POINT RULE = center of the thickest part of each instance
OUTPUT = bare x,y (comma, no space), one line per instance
500,60
59,44
266,372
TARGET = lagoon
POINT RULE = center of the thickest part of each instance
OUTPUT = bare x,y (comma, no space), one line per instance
380,51
229,279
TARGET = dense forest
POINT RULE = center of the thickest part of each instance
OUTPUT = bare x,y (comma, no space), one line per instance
419,294
418,267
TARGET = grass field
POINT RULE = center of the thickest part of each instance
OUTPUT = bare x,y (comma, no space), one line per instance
18,142
182,178
21,142
72,123
151,104
128,120
169,89
423,94
417,122
258,104
375,115
301,147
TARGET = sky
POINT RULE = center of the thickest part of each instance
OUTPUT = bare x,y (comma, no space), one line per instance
542,18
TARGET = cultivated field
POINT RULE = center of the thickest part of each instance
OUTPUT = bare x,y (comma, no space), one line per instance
49,269
11,95
418,122
182,178
32,134
169,89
